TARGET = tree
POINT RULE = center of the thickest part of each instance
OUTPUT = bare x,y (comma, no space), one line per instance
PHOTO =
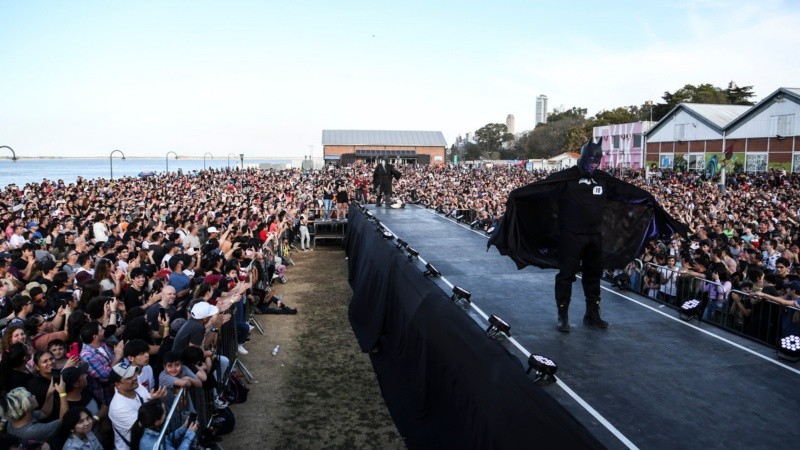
517,149
739,95
471,152
490,137
703,93
562,132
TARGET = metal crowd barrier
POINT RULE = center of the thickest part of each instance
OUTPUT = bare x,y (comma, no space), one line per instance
176,415
762,321
227,346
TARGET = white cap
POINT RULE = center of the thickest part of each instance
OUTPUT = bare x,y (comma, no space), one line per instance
202,310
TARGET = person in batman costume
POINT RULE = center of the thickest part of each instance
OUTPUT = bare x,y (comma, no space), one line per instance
382,181
580,219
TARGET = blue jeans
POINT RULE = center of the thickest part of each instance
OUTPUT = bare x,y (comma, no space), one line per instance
711,308
328,203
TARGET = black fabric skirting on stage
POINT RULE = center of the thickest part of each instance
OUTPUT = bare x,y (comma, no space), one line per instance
447,385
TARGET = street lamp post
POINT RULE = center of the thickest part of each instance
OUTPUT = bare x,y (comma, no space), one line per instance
229,160
241,156
166,158
204,159
13,153
111,161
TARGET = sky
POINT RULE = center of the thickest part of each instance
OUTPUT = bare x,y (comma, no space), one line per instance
264,78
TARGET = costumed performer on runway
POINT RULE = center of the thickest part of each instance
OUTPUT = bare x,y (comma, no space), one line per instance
382,181
580,219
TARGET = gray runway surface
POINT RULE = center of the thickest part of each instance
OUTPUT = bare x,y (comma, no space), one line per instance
652,380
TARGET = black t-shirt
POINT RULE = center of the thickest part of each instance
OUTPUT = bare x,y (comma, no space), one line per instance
151,314
581,205
38,386
134,298
15,379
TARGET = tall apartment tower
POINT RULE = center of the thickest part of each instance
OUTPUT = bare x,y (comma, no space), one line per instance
541,109
510,124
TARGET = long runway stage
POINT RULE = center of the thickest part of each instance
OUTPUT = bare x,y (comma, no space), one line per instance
649,381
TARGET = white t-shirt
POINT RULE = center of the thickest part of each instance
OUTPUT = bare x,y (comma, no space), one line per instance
100,232
146,378
123,412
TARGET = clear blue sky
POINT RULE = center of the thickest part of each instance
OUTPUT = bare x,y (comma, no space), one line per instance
264,78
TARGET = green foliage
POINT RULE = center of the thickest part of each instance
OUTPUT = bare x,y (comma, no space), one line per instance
680,164
490,137
471,152
740,95
517,148
704,93
563,132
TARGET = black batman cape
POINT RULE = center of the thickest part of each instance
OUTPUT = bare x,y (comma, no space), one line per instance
528,233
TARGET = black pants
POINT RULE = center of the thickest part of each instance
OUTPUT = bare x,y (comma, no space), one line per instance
574,249
384,195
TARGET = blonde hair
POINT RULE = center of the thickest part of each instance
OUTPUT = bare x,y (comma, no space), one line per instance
15,404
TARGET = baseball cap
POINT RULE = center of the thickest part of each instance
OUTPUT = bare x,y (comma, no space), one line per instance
794,285
212,230
121,371
212,278
202,310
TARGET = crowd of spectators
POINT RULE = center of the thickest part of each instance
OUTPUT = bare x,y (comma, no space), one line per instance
109,289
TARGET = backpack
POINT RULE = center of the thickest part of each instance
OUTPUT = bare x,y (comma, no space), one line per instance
223,422
236,390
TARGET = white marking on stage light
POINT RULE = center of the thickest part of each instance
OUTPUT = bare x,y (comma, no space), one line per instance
725,340
603,421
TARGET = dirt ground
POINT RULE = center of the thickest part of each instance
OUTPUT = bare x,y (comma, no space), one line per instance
319,391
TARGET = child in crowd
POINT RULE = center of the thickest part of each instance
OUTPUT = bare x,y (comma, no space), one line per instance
58,349
175,375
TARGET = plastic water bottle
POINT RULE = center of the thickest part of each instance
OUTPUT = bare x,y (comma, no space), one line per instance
276,350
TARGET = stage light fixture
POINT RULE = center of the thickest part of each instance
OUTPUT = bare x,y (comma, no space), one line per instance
689,309
379,228
789,348
369,215
401,244
431,271
460,293
497,326
489,230
387,235
544,367
411,253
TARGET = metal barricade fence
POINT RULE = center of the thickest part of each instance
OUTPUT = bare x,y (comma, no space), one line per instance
176,415
740,312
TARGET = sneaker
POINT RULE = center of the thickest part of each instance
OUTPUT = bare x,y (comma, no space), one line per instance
242,350
219,403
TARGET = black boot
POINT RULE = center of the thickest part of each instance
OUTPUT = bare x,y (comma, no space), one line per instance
592,316
563,318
